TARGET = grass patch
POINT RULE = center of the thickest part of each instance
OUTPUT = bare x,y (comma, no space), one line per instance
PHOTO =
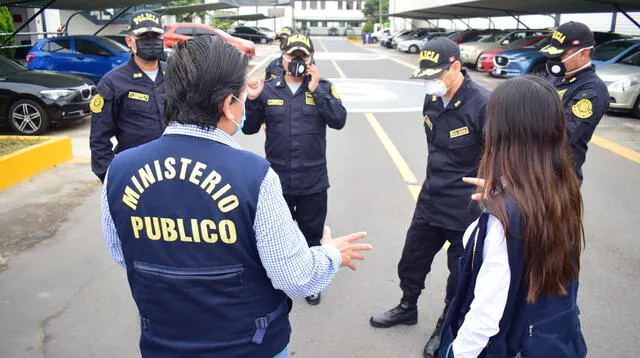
8,146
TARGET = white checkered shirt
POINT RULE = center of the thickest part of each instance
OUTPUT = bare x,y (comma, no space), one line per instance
291,265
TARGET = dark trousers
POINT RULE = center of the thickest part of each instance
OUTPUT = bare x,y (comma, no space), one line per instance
422,243
310,212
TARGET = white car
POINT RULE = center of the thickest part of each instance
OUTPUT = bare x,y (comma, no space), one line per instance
623,82
411,46
380,35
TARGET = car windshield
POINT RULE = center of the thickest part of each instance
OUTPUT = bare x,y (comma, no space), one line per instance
633,60
494,37
8,66
609,50
112,45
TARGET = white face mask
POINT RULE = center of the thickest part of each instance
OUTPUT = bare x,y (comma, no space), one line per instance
435,87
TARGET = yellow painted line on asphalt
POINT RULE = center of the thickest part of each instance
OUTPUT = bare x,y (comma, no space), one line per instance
396,157
404,63
262,63
335,64
616,148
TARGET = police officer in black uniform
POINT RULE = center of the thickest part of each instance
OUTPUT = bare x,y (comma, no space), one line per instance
275,68
130,100
296,109
454,112
584,94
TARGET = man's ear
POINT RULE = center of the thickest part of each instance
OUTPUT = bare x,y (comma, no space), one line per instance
226,107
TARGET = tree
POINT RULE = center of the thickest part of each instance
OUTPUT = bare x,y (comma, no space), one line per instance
6,25
187,17
368,27
372,10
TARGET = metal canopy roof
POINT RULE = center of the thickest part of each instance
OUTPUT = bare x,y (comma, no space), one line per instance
107,4
251,17
491,8
174,10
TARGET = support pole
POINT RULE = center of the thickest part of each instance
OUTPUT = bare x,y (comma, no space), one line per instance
6,40
113,19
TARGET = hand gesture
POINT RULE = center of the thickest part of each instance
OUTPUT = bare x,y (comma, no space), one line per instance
477,182
349,250
315,77
254,87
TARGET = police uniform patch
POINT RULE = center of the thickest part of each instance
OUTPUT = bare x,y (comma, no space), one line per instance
583,109
334,92
427,120
457,104
275,102
459,132
137,75
96,104
139,96
309,99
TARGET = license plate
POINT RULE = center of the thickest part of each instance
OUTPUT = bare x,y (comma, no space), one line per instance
497,71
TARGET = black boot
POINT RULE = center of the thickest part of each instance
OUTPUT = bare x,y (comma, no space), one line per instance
314,300
431,348
404,313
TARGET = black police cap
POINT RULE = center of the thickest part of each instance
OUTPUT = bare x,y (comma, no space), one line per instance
144,21
568,36
438,54
298,42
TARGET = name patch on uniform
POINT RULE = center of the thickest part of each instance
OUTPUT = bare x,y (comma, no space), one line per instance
428,122
309,99
459,132
583,109
334,92
138,96
96,104
275,102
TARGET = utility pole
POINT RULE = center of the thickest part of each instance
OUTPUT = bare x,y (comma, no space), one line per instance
380,12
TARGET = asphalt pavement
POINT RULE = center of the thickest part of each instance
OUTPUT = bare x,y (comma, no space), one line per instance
65,298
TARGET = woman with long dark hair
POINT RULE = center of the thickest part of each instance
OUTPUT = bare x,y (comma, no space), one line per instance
519,277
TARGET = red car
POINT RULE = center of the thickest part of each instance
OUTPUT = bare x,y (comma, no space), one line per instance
485,62
184,31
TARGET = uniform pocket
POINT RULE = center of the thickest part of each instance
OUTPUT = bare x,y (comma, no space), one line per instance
186,303
556,335
464,150
136,105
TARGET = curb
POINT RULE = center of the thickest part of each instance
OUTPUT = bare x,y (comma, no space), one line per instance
25,163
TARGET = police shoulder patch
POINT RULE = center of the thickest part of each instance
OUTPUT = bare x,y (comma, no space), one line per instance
97,103
582,109
334,92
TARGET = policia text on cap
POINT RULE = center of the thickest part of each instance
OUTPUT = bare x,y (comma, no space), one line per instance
211,251
130,101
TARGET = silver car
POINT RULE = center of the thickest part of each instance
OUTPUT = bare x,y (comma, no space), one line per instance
470,52
623,81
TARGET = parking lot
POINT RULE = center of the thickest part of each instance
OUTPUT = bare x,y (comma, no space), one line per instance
62,296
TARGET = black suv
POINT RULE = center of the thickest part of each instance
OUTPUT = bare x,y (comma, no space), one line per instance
252,34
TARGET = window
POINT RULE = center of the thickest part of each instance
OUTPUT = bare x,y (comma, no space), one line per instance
355,24
340,4
342,24
186,31
632,59
314,5
349,5
112,45
199,31
358,3
324,24
609,50
314,24
87,47
304,4
323,4
8,67
60,46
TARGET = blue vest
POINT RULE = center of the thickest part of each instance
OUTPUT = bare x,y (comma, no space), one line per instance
184,209
548,328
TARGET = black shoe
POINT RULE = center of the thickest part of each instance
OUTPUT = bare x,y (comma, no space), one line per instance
313,300
431,348
404,313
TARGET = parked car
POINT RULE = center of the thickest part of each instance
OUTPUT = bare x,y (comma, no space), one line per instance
470,52
522,61
253,34
268,31
30,101
184,31
376,36
623,82
414,35
612,51
415,45
334,32
88,56
485,62
387,42
601,37
470,35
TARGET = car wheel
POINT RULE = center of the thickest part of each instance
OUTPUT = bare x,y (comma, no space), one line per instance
414,49
636,108
540,70
28,117
374,40
263,41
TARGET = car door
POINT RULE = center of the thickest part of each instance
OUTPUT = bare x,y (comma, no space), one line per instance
55,55
92,60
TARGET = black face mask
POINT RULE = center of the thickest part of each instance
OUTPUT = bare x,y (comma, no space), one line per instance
150,48
297,67
556,67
